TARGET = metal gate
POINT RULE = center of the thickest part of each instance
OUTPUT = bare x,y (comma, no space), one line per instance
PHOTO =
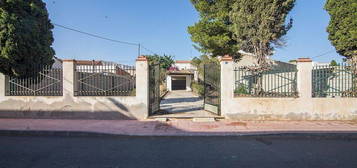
154,89
212,88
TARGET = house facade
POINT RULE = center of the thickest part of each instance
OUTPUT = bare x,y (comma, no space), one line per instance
180,76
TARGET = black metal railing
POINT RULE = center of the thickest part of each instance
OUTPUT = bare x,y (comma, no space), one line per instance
47,82
101,78
252,81
334,81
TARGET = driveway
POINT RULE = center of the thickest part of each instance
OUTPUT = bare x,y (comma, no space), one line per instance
183,103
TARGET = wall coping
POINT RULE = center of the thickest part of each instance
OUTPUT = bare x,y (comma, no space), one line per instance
142,58
226,58
69,60
304,60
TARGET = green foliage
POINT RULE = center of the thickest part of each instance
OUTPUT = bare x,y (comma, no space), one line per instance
241,90
212,33
198,88
25,37
259,25
165,61
334,63
227,26
199,62
342,28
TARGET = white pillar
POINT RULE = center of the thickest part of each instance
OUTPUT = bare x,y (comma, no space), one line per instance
195,76
304,77
2,85
142,82
188,83
68,77
227,83
169,83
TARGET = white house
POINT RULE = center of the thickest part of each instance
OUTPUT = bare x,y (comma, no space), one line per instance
180,76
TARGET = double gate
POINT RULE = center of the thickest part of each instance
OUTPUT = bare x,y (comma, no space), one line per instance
212,88
154,89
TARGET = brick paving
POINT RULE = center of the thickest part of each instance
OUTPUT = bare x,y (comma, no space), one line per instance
178,127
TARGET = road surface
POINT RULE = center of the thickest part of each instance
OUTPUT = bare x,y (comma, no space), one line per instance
172,152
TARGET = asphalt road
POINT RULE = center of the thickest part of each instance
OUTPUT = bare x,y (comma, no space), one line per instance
171,152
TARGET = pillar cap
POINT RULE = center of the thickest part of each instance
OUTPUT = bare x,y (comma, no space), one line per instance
226,58
142,58
304,60
69,60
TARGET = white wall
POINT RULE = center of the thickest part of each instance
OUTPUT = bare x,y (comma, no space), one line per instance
188,81
71,107
184,66
302,108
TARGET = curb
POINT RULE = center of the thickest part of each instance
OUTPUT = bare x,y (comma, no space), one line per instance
295,135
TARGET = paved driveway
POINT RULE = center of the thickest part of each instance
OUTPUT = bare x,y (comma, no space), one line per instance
183,103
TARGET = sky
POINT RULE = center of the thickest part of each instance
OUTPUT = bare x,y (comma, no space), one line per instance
161,27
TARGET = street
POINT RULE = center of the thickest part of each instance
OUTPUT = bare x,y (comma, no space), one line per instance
170,152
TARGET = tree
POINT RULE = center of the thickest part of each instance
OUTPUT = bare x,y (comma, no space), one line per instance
227,26
333,63
342,28
25,37
259,25
165,61
212,33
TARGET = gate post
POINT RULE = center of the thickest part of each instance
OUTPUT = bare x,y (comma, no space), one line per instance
68,77
227,83
2,85
304,77
142,82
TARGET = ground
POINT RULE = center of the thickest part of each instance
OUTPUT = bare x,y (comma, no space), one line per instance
147,152
183,104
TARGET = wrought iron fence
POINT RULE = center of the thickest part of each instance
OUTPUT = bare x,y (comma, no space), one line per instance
334,81
47,82
275,81
99,78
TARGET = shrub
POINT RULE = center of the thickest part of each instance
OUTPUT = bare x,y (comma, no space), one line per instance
241,90
198,88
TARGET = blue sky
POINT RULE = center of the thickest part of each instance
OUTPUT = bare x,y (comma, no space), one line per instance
161,26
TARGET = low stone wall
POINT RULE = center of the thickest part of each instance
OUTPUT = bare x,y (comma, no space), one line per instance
302,108
69,106
66,107
292,109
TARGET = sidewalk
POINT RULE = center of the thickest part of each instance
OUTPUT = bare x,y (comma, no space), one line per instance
176,128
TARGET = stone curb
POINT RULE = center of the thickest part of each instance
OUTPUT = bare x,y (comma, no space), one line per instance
295,135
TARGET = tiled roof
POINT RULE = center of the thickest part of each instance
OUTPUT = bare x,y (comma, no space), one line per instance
183,61
86,62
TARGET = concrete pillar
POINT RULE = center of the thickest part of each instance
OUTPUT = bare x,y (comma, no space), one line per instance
142,82
2,85
195,76
227,83
304,77
169,83
188,83
68,77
